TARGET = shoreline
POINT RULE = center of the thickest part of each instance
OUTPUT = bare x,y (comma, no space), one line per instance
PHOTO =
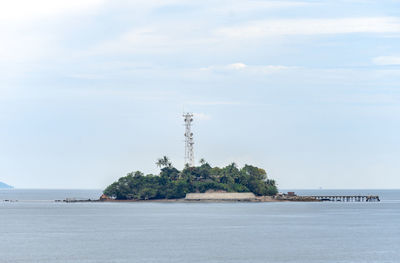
254,199
260,199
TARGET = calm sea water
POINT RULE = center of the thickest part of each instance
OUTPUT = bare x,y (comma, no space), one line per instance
44,231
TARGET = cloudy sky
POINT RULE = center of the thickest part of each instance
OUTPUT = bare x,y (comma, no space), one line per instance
93,89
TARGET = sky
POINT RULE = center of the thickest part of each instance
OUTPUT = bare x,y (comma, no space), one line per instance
93,89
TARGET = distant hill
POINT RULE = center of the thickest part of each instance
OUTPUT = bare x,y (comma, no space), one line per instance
3,185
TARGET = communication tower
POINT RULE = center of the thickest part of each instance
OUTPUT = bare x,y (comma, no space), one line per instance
189,153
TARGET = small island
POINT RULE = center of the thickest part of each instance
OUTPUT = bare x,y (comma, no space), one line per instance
171,183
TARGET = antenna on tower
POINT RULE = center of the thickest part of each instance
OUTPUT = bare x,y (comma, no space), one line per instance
189,153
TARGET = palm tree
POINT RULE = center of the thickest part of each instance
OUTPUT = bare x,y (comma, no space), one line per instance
163,162
159,162
202,161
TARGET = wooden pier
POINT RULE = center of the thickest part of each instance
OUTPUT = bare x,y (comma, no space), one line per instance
347,198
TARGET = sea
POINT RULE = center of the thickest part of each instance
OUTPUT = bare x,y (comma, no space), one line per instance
35,229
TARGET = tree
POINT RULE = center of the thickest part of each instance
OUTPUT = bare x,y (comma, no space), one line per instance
202,161
170,172
163,162
172,183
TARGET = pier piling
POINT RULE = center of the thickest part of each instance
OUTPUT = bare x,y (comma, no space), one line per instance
348,198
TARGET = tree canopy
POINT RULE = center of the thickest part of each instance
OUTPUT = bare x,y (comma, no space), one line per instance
172,183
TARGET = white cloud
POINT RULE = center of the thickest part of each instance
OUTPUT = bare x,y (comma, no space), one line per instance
269,69
23,10
251,6
23,46
213,103
201,116
239,66
387,60
154,38
276,27
25,38
138,39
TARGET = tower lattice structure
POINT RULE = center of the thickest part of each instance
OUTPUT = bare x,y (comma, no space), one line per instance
189,151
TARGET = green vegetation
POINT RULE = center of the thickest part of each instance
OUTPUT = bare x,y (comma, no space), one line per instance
172,183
